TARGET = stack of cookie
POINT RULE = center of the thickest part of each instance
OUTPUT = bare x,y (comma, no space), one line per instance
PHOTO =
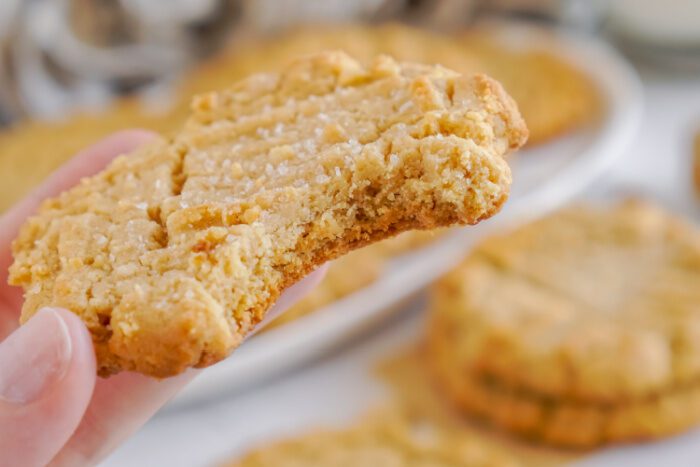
577,330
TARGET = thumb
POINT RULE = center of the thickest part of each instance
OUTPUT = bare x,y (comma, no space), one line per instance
47,374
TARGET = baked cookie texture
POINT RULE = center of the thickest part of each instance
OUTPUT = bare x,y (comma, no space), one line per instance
572,424
386,439
172,254
553,95
363,42
579,329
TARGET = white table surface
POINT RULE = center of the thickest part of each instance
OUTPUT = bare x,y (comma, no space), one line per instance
335,389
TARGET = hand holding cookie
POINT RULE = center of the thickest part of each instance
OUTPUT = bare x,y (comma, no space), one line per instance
174,254
181,248
50,398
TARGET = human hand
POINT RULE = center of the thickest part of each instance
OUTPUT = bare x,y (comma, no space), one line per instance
53,409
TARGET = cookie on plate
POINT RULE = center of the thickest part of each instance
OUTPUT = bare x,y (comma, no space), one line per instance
361,41
174,253
579,329
32,150
568,423
387,439
553,96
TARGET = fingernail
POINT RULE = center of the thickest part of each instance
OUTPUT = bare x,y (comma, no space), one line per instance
34,357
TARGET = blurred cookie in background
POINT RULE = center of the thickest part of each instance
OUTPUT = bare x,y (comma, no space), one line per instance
361,41
386,438
553,96
407,375
577,330
32,149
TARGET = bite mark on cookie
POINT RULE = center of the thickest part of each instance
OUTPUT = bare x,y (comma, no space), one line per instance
174,253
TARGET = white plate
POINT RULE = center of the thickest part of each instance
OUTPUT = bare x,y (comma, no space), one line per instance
545,177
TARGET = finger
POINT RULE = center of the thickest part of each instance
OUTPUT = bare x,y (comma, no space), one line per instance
121,404
46,382
85,163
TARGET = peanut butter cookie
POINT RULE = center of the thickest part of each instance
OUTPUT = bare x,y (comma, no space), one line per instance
571,423
173,253
591,314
